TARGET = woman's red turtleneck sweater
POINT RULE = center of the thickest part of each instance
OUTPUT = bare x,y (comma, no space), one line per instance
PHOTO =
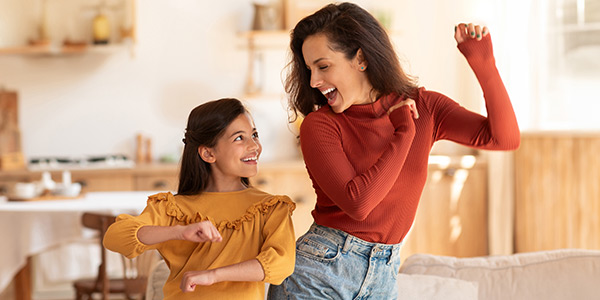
368,169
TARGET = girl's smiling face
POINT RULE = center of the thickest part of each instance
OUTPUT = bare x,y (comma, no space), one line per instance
342,81
235,155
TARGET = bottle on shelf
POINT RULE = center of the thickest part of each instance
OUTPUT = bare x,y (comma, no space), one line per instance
101,29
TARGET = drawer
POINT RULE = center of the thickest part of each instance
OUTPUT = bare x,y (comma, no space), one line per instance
157,183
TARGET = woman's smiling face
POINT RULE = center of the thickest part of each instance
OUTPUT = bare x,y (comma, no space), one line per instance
342,81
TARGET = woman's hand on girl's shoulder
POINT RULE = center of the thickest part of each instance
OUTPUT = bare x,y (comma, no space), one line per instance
201,232
408,102
463,32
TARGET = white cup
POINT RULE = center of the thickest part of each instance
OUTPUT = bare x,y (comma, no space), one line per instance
25,190
73,190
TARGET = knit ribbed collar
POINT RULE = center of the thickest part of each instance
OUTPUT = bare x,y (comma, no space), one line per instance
371,110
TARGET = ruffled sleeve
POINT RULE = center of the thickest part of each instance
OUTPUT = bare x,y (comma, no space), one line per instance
278,252
121,236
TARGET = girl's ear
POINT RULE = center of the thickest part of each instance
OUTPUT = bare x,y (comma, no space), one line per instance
360,60
207,154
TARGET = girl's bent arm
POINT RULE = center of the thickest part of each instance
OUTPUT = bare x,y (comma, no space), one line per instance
122,237
250,270
277,255
199,232
151,235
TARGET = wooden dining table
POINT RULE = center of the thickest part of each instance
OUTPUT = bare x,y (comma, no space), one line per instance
28,228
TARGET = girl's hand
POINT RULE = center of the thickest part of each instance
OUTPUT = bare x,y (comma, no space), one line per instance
193,278
411,105
201,232
463,31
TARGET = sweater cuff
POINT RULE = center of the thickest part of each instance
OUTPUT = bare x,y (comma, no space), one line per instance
477,51
276,270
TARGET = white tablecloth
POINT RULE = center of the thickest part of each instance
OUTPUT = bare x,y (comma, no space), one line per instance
29,228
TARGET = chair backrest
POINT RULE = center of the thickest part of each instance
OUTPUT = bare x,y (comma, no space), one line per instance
99,222
135,270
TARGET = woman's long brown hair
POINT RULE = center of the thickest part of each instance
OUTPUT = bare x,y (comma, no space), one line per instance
348,28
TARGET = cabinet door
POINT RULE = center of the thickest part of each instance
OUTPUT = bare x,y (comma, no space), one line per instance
452,215
8,182
557,199
103,181
294,182
164,183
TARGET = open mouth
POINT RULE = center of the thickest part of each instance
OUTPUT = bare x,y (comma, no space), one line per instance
251,159
330,95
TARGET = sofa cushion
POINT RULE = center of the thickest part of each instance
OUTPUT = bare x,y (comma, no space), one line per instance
554,274
427,287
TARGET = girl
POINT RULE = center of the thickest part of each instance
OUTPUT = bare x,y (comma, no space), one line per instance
366,137
221,238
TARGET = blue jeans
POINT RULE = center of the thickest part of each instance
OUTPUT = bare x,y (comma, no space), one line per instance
332,264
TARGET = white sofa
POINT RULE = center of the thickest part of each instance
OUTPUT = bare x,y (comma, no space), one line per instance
557,274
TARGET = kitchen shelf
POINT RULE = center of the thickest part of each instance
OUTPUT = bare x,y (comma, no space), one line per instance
49,30
264,39
255,42
61,50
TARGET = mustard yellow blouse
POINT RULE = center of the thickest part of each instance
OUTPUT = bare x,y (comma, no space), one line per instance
253,224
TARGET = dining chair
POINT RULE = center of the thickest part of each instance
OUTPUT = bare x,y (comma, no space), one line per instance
135,271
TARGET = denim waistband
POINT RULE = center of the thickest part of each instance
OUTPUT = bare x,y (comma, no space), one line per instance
348,242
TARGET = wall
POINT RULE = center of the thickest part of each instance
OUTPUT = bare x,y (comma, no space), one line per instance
96,103
189,52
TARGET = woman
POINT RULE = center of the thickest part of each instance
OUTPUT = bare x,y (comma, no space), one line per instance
366,138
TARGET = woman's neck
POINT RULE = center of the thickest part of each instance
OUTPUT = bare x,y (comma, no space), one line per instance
368,95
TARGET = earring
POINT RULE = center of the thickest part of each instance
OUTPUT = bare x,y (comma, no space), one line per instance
362,68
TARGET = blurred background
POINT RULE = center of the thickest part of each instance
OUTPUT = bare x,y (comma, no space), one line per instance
88,85
188,52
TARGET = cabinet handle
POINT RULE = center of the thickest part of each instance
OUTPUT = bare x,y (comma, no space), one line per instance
82,182
160,184
450,172
261,181
299,200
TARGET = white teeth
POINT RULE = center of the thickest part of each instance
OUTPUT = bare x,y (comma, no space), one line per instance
250,159
327,91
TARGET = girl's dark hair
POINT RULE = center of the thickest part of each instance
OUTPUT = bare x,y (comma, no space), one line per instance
206,124
348,28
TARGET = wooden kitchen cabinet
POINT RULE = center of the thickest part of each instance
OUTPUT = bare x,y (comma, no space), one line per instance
144,177
451,218
101,180
452,214
8,182
557,198
291,179
156,177
156,183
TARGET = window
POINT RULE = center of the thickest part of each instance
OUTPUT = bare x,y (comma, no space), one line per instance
568,93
